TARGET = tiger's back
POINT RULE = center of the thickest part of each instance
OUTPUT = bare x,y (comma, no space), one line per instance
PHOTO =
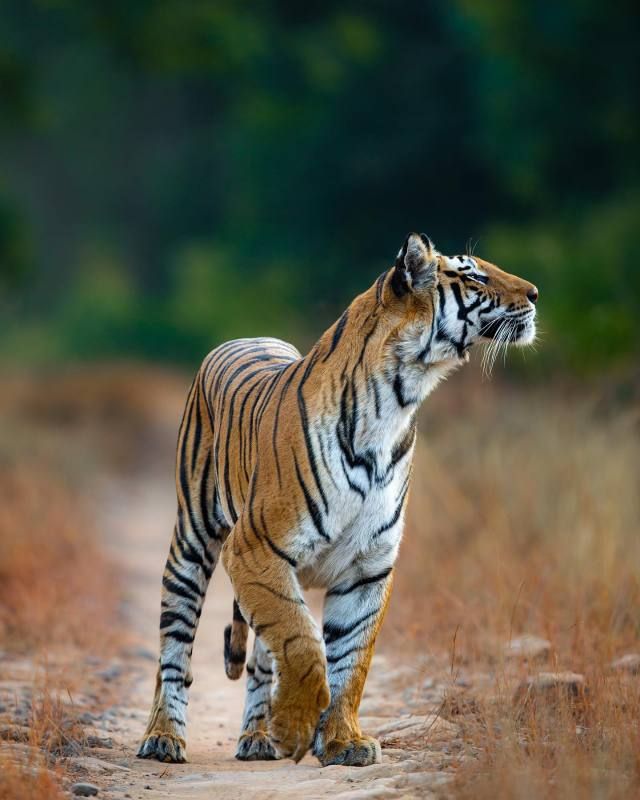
227,403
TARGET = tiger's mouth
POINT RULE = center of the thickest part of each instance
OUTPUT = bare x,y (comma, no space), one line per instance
518,329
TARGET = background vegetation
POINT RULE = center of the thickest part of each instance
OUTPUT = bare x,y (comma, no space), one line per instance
178,172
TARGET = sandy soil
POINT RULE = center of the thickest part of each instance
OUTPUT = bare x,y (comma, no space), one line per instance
417,749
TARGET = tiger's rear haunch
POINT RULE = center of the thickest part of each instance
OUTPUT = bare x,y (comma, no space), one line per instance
297,470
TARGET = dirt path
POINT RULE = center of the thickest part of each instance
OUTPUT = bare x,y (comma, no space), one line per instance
138,519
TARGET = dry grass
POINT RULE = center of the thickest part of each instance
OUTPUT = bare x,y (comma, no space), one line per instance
46,722
525,518
554,751
59,594
28,766
54,727
29,780
55,586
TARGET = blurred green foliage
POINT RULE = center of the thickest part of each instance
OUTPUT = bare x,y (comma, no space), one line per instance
176,172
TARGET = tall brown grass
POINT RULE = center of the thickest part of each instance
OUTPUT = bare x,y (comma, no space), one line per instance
30,770
525,518
30,780
59,593
56,589
58,599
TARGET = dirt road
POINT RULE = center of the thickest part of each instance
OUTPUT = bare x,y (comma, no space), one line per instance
417,749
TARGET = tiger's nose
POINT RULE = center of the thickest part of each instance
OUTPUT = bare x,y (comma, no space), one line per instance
532,294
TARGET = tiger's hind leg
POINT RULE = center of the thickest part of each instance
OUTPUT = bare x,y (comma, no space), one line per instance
195,548
254,743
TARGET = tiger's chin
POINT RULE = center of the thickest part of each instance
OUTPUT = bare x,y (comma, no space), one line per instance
524,334
527,337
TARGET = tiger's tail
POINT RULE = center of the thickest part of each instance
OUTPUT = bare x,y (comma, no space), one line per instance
235,644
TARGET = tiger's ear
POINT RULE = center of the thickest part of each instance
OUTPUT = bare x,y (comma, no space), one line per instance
416,267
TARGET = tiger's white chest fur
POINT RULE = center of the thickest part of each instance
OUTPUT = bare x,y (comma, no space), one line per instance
358,543
365,475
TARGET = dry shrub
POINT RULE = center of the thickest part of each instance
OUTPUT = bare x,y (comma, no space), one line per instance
28,766
54,727
55,586
28,780
525,518
555,749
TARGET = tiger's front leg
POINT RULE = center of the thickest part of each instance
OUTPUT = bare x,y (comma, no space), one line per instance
353,613
269,597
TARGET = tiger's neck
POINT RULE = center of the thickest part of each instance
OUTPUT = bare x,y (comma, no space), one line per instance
374,374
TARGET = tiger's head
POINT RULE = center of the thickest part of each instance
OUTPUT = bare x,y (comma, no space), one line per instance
462,301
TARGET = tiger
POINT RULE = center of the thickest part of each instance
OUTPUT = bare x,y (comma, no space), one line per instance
296,471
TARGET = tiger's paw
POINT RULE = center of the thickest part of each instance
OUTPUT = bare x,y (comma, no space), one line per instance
256,746
360,751
295,713
164,747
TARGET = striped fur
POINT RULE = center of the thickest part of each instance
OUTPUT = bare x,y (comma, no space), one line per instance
297,471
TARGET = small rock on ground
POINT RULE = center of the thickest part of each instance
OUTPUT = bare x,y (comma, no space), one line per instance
92,764
527,646
416,728
627,663
111,673
99,741
547,688
84,789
